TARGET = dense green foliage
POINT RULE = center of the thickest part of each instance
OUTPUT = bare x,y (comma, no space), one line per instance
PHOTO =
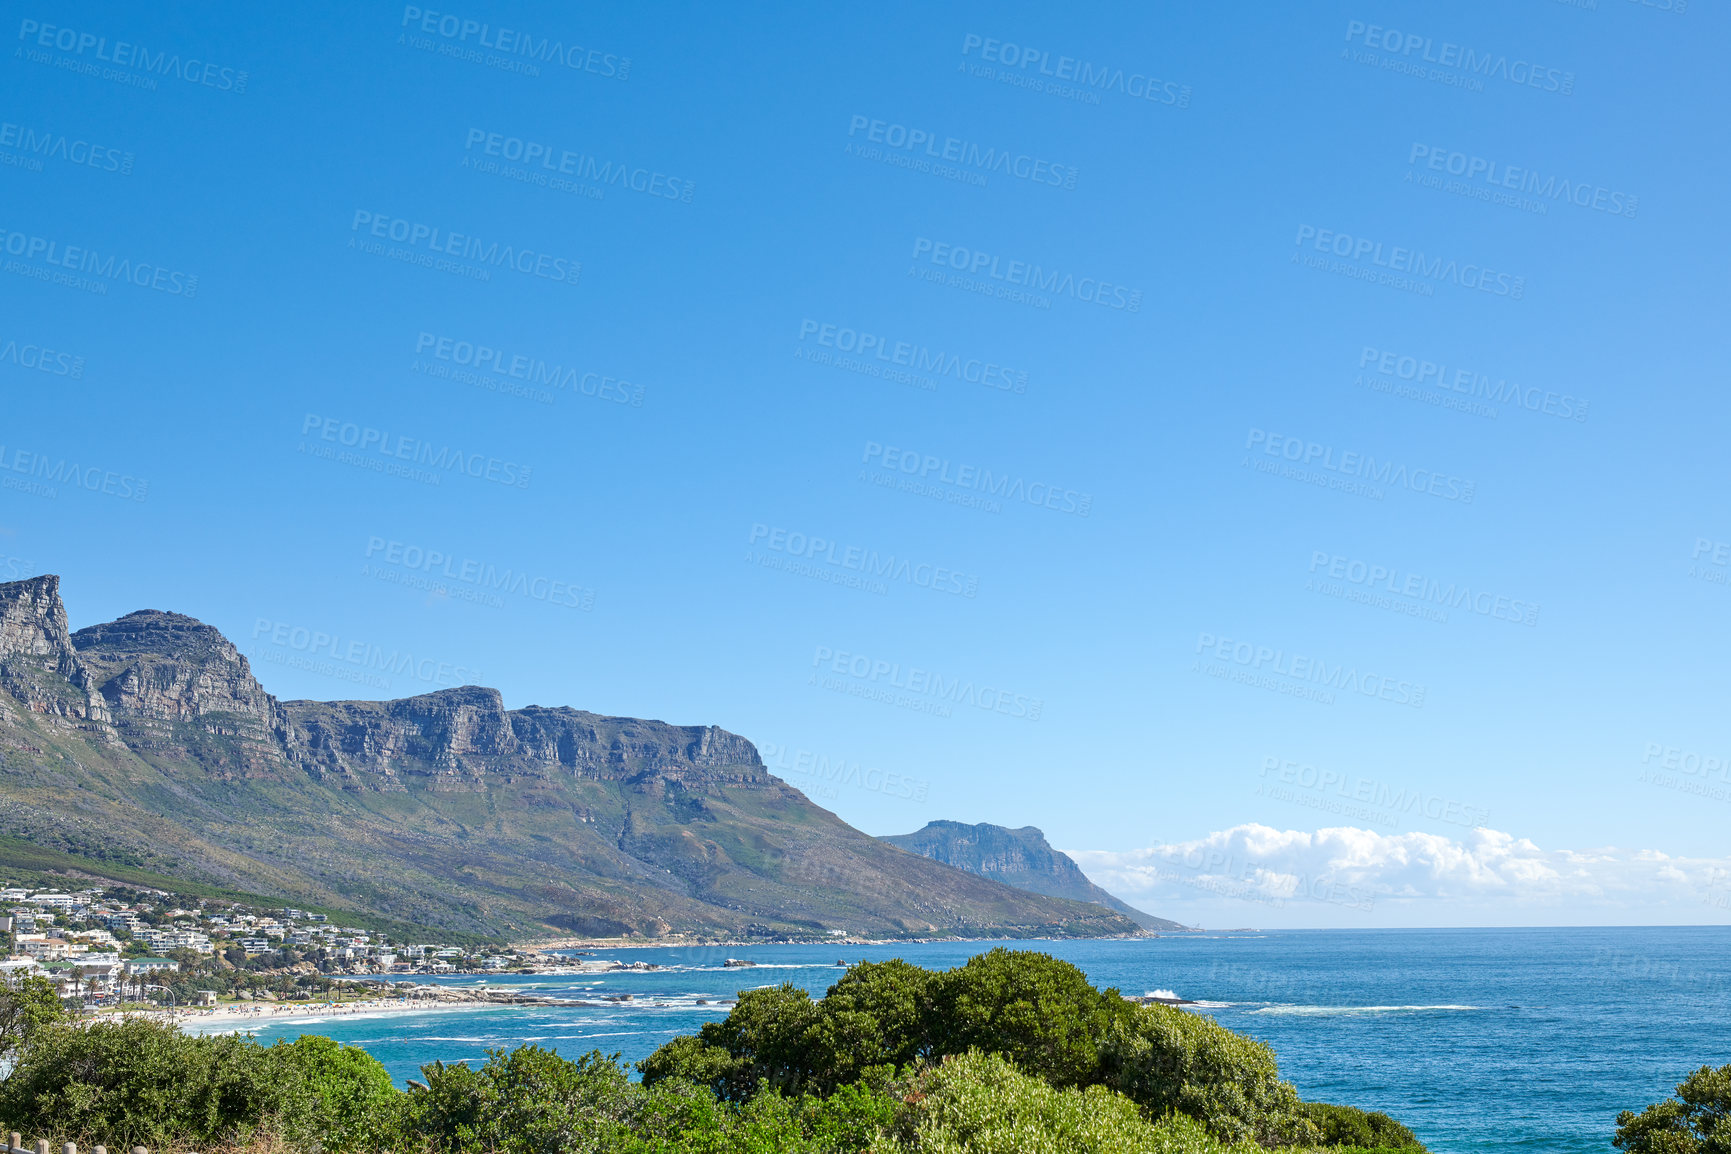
1355,1129
1032,1009
1696,1121
979,1103
531,1101
26,1005
136,1081
1012,1052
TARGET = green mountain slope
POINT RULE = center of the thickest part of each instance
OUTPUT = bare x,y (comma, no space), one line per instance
147,743
1017,857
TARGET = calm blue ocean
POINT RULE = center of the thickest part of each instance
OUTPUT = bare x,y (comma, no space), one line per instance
1480,1040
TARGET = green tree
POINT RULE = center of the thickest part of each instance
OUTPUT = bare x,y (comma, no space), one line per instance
349,1099
140,1082
1166,1059
1350,1126
1035,1010
26,1004
982,1103
523,1101
1696,1121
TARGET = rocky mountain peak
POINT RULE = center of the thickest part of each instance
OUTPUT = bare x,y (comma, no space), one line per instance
38,663
33,624
171,667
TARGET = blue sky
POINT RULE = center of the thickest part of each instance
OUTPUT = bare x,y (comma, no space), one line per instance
1146,425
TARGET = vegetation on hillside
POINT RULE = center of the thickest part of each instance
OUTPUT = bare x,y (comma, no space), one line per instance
1012,1053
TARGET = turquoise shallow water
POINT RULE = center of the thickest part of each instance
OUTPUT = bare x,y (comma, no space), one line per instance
1480,1040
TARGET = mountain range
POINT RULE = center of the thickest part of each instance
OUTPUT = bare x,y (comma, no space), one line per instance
1018,857
146,743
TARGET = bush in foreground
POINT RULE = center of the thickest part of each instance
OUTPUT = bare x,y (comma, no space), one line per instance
1696,1121
140,1082
980,1102
1035,1011
1011,1052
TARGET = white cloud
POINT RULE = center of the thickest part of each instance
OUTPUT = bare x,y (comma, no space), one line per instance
1485,877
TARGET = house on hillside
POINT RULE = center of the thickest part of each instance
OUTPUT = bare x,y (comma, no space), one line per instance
135,966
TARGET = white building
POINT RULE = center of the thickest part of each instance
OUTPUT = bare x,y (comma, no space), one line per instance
52,901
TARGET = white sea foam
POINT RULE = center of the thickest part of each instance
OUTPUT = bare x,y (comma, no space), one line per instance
1324,1011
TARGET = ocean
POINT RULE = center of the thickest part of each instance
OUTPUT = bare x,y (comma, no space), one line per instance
1479,1040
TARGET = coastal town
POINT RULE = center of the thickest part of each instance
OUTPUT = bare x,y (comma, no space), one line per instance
116,944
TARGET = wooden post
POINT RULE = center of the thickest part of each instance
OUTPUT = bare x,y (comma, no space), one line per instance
71,1148
41,1146
99,1150
17,1140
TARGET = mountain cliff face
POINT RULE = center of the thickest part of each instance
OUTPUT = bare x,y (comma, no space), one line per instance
1016,857
148,741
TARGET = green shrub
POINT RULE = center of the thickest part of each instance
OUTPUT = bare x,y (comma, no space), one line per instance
348,1101
981,1104
1696,1121
140,1082
26,1004
1168,1060
1350,1128
1035,1011
677,1117
523,1101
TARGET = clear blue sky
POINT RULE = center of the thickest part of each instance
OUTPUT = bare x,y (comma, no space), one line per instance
1166,269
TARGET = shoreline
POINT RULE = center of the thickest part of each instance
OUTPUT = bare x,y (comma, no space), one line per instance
237,1017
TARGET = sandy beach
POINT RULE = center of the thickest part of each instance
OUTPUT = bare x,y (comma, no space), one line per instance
246,1015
